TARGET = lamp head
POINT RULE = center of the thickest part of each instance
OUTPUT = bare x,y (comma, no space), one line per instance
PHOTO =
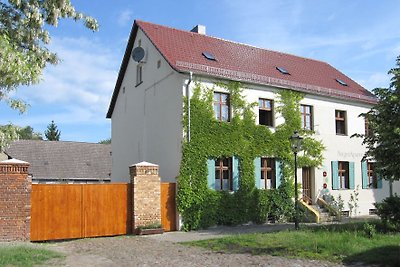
296,141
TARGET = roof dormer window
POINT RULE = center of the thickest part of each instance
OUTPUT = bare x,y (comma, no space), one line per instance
341,82
209,56
282,70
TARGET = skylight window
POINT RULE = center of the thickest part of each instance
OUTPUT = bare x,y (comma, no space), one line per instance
282,70
341,82
209,56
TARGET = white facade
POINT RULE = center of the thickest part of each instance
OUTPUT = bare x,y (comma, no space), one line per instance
146,126
146,121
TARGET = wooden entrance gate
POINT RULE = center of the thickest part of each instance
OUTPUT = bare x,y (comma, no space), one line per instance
79,210
168,206
65,211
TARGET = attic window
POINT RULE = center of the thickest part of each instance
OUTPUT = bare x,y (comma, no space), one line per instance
282,70
341,82
209,56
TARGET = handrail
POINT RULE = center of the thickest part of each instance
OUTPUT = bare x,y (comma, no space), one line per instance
311,209
308,199
330,208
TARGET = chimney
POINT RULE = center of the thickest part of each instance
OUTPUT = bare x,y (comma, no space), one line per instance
201,29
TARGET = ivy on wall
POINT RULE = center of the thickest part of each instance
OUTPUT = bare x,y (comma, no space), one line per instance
202,207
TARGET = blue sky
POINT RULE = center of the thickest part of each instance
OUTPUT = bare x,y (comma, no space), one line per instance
360,38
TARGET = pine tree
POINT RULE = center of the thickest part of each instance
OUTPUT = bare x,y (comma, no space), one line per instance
52,134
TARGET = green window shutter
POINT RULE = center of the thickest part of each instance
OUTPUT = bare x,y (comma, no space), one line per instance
257,171
351,175
335,175
235,173
278,173
211,174
379,184
364,174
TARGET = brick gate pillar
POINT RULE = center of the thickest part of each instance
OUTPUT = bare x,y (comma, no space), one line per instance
146,194
15,200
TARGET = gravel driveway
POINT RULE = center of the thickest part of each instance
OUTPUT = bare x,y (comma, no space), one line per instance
144,251
164,250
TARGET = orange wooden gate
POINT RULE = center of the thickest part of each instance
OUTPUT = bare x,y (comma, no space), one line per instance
168,206
79,210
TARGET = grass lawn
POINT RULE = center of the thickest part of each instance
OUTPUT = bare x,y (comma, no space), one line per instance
344,243
25,256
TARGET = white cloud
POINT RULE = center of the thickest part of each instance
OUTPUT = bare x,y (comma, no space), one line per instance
125,17
84,79
379,79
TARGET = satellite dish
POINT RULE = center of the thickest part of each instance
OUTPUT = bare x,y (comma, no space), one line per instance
138,54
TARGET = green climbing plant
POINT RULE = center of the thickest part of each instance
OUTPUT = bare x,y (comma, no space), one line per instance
202,207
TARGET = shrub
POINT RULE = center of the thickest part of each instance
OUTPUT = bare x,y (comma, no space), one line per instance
389,212
262,206
369,230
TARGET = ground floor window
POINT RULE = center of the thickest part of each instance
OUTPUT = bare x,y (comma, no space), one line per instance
370,179
343,172
342,175
268,172
223,174
268,179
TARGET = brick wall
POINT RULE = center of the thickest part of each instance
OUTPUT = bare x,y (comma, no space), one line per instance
146,194
15,194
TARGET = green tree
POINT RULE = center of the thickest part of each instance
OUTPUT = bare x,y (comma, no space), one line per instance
27,133
10,132
383,142
105,141
52,133
23,40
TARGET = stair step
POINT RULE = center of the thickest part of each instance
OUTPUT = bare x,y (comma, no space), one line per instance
324,215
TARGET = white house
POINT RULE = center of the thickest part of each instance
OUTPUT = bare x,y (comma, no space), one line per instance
147,104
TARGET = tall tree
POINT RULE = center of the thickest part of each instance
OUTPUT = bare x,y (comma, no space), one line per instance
383,140
23,40
27,133
52,133
23,47
10,132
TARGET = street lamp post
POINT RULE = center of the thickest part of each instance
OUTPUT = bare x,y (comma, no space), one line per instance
295,142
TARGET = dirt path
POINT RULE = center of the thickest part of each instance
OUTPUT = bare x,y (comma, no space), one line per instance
144,251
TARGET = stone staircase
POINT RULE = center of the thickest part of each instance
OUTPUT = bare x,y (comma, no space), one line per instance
324,215
319,211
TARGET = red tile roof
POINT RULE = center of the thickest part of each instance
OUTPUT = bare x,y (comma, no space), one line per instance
183,51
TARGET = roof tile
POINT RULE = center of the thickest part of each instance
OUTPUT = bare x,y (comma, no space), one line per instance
63,160
183,50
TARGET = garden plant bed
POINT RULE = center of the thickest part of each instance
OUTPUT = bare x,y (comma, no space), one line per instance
155,231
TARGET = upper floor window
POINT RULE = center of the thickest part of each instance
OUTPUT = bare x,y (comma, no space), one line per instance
368,130
221,106
223,174
139,72
306,117
266,112
340,118
268,179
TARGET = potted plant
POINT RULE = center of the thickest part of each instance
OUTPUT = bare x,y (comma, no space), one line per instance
150,229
